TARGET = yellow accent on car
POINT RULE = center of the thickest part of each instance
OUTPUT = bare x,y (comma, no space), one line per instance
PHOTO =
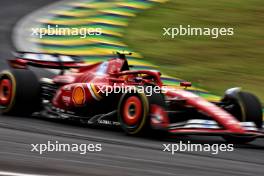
95,92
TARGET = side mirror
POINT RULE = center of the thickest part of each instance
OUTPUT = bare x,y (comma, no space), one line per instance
185,84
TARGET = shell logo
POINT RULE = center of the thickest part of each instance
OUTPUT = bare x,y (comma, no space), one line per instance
78,96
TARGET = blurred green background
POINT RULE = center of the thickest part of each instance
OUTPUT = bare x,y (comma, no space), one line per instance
213,64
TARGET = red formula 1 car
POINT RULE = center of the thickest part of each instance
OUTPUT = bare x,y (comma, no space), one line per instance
109,93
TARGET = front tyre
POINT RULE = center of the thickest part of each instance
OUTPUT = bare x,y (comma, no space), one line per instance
246,108
19,92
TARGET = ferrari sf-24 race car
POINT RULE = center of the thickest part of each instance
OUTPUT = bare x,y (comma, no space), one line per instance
76,93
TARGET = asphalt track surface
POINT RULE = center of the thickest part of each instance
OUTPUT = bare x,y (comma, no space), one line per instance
121,154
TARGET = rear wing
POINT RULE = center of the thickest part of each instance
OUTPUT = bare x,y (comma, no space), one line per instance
45,60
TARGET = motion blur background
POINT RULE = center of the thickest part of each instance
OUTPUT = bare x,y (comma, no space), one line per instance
214,64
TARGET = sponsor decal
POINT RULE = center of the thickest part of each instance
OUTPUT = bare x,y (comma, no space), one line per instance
78,96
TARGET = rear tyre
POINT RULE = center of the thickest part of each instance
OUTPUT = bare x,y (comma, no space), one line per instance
19,92
246,108
133,110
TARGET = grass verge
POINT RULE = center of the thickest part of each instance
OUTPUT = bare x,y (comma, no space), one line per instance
213,64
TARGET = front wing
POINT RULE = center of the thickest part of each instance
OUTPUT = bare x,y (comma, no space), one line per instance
210,127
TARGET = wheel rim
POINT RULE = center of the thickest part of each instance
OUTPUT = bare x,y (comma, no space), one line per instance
132,111
5,92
